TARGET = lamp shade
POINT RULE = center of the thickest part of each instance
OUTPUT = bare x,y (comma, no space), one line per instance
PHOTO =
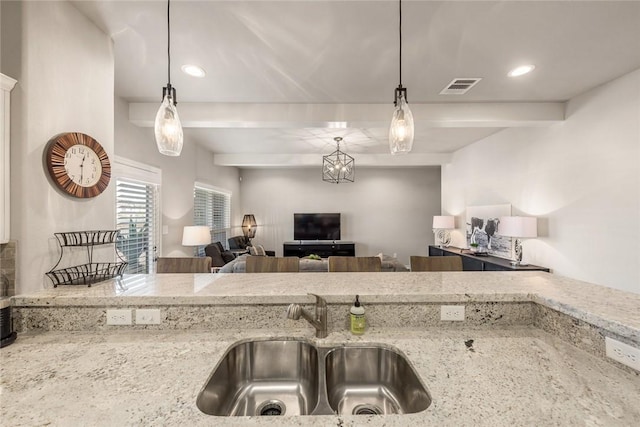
518,226
196,235
249,226
443,222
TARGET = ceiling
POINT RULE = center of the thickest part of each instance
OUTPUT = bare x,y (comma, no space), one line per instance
284,78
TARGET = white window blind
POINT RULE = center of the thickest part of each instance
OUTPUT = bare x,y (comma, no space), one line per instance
137,218
212,208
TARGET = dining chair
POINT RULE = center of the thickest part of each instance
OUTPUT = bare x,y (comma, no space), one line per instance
436,263
351,263
184,265
270,264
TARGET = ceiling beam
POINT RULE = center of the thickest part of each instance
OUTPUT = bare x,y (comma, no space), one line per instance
292,116
306,160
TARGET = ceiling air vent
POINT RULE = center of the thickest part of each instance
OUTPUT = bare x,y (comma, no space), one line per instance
459,86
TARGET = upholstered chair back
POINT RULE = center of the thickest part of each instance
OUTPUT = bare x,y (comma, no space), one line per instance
264,264
184,265
350,263
436,263
238,242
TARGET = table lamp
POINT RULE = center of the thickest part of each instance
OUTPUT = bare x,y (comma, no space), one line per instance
196,235
441,226
518,227
249,227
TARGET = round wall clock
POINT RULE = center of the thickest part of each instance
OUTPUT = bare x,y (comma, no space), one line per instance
78,164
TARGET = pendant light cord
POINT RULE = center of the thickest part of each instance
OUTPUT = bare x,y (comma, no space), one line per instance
400,32
168,42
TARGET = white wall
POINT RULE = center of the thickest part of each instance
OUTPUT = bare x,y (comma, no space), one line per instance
64,68
178,176
580,178
386,210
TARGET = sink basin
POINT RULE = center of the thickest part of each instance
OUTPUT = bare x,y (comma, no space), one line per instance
373,380
271,377
294,377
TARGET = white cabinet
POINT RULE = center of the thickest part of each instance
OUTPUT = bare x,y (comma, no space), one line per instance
6,85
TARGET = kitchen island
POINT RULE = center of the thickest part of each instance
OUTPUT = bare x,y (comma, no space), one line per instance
528,353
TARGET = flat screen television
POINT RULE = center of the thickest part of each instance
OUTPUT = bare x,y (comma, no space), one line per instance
316,226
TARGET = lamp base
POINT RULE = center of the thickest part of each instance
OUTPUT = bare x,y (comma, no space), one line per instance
443,237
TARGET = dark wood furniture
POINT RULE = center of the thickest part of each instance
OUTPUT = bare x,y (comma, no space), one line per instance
324,250
472,262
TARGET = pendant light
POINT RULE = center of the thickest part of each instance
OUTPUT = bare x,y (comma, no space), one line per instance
338,166
168,129
401,129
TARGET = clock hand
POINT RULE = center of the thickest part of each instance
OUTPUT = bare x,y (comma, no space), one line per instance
82,168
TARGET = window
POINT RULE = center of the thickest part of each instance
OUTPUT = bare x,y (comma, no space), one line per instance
137,214
212,207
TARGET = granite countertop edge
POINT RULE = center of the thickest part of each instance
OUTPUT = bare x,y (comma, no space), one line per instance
606,308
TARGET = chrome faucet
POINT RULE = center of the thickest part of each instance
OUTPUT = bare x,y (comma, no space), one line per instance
319,321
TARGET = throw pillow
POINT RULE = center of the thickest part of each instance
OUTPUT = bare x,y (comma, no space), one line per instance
228,256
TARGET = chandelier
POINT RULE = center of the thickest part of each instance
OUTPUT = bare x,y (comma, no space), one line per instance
338,166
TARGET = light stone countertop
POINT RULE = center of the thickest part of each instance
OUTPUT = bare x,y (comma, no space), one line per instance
513,376
607,308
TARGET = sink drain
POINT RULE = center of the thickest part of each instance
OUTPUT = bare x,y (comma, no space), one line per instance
271,407
367,409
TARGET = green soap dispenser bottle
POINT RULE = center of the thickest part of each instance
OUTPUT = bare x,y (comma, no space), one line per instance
356,315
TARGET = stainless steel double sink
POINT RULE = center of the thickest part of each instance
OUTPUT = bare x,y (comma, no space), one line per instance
288,376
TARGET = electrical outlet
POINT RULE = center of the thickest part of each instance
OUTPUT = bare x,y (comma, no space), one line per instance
452,312
622,353
147,316
119,317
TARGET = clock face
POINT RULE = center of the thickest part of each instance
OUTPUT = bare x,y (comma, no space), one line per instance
82,165
78,164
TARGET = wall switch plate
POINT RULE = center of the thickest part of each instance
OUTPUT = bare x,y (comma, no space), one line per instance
623,353
119,317
147,316
452,312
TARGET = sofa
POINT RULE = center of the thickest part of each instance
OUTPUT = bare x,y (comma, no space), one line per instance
240,242
308,265
219,256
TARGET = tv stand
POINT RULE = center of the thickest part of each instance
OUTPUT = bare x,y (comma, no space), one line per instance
323,248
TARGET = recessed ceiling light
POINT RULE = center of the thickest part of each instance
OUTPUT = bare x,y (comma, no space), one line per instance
521,70
193,70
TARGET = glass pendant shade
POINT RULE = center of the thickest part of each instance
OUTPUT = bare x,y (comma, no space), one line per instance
401,130
168,128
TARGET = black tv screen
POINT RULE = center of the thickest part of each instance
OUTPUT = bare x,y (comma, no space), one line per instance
316,226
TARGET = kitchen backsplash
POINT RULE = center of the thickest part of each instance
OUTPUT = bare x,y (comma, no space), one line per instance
8,269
